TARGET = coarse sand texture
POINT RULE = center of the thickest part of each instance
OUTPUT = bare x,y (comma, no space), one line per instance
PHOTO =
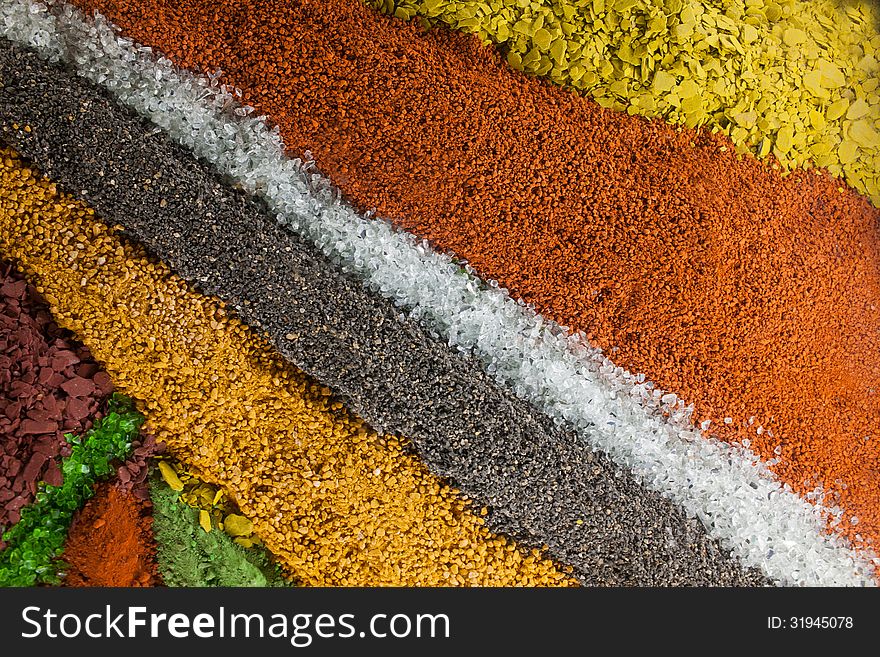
335,502
749,294
795,79
541,482
634,426
189,555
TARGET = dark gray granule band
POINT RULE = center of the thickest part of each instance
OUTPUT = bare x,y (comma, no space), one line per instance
541,484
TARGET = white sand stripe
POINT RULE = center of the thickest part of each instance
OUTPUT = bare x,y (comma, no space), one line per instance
735,496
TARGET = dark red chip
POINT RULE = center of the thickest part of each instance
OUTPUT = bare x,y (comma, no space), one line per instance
38,413
78,387
13,466
46,389
52,407
52,476
45,375
64,359
47,445
78,409
13,410
15,290
103,382
34,468
34,427
20,389
87,370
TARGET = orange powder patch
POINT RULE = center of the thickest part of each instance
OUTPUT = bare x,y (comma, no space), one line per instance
110,542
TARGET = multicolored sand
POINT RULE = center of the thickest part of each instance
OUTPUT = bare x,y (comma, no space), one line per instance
320,487
795,79
712,274
540,483
707,328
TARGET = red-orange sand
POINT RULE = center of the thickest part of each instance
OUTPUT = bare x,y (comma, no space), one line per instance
750,295
110,542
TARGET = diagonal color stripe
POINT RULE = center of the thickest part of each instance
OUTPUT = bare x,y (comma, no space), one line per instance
542,484
713,275
736,498
749,294
774,83
335,502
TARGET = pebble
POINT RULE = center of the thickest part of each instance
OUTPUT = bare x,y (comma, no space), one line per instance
49,386
762,78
